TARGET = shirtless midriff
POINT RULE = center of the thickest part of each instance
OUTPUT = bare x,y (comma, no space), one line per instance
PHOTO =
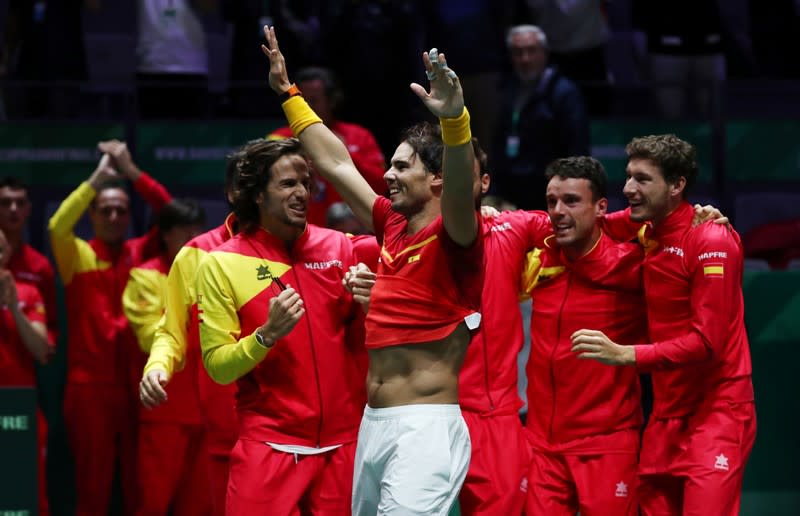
420,373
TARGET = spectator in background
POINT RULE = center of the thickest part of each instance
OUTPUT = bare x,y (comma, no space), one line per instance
323,94
23,341
685,48
388,36
25,263
341,218
577,32
172,70
43,42
172,467
542,118
99,410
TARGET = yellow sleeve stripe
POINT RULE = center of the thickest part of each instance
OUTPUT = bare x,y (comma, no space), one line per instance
714,270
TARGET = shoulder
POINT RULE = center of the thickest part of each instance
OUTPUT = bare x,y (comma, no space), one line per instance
157,264
710,235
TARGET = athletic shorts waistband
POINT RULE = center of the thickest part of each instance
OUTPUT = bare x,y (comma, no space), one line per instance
422,409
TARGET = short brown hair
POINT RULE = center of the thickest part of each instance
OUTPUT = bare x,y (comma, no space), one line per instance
675,158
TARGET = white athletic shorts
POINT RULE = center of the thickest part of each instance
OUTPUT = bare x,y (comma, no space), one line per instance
410,460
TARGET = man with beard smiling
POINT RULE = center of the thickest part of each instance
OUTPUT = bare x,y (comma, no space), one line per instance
274,317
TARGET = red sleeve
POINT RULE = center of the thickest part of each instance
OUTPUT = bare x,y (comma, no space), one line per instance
153,192
369,161
381,209
539,228
714,262
619,225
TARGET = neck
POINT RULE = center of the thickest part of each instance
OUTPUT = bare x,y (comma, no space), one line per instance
671,208
420,220
284,232
579,251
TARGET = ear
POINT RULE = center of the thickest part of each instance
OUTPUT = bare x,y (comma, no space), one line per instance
676,190
485,182
601,207
260,198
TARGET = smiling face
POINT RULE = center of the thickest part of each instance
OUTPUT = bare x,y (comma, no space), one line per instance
284,203
651,198
409,181
574,214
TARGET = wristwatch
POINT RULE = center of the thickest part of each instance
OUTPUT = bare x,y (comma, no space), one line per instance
264,341
291,92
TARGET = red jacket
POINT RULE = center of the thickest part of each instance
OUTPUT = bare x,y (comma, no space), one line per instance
366,156
30,266
308,389
16,362
570,399
488,378
693,283
100,344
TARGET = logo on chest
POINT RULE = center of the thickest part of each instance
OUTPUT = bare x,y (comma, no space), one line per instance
318,266
677,251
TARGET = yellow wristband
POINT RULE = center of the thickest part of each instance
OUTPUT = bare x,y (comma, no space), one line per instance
299,114
455,131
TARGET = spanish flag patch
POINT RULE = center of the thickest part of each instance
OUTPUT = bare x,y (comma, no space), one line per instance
714,270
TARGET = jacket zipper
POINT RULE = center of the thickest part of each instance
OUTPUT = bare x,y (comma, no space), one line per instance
313,354
553,353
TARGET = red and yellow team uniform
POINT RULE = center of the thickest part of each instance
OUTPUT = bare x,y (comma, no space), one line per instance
367,158
18,369
702,429
176,351
583,417
487,390
173,464
427,284
307,391
30,266
100,405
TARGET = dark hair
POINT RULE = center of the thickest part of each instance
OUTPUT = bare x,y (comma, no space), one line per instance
255,159
581,167
329,81
112,184
180,212
480,155
13,183
426,141
675,158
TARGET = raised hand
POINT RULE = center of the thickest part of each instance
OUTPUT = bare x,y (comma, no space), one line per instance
121,159
446,98
103,173
278,77
8,290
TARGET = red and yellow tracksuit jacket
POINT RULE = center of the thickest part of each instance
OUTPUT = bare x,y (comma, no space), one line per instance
308,389
699,354
94,278
575,404
176,346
